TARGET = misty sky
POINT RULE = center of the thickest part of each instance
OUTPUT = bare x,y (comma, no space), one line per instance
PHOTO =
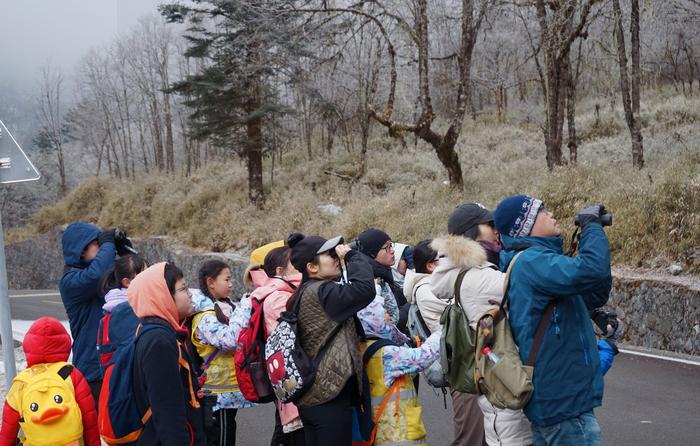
33,32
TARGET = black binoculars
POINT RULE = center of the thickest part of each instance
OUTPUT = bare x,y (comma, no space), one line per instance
606,219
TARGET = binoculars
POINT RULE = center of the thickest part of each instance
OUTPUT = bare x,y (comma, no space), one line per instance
606,219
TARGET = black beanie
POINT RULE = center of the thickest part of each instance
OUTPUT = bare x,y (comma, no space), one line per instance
371,241
304,249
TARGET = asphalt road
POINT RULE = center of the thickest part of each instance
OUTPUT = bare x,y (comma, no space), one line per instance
648,401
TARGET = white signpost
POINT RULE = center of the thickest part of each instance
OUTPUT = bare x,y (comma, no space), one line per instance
15,167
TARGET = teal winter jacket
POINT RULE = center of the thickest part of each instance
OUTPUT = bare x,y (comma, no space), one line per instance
567,377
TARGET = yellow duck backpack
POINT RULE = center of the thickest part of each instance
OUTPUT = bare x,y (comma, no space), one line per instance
45,399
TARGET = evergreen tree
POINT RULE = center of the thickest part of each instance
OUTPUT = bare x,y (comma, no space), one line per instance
244,46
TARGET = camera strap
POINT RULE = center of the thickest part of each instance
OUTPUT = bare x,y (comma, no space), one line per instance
574,242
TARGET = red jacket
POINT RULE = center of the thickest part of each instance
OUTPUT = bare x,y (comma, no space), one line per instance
47,341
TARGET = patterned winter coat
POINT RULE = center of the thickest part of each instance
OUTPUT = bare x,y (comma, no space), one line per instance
209,331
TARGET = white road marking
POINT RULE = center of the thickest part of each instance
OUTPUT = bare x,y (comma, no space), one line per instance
36,295
664,358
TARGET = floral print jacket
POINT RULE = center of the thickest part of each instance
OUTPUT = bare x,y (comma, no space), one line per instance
225,337
402,359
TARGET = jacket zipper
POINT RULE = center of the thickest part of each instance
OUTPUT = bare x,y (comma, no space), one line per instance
555,322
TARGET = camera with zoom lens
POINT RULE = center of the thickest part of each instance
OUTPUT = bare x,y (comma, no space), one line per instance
606,219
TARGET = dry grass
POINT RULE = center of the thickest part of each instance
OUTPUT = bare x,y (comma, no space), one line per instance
656,210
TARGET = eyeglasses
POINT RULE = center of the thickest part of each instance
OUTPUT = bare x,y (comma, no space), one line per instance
184,289
388,247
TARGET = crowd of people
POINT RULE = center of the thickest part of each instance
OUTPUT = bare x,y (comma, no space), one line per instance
146,343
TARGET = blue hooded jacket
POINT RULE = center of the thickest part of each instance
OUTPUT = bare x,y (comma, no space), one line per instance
80,296
567,377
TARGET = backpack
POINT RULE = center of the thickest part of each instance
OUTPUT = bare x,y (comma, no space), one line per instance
290,369
363,423
119,419
44,396
417,327
457,344
507,383
116,327
249,358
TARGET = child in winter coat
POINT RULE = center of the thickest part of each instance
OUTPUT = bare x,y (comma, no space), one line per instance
163,375
216,326
273,285
395,406
114,285
51,400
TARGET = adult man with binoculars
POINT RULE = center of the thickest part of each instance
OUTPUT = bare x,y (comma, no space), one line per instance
87,253
545,283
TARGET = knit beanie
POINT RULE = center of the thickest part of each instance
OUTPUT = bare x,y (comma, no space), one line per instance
304,249
371,241
515,216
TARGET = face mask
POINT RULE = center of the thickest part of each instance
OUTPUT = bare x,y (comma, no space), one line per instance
493,247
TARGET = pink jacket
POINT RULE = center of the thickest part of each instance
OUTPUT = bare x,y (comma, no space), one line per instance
276,292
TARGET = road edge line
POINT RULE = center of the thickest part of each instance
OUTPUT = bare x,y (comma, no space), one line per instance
664,358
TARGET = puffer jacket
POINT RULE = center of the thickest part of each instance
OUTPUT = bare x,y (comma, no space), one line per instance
482,287
567,379
80,296
47,341
275,293
418,291
481,290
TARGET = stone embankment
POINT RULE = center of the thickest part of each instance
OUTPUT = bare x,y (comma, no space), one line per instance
659,310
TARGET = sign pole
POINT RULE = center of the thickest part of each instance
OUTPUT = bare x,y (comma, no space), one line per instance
8,349
15,167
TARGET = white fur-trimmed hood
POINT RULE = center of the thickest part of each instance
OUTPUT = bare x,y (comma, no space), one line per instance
457,253
462,252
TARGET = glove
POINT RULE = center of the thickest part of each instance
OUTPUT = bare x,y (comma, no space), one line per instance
606,352
607,325
106,237
122,243
590,214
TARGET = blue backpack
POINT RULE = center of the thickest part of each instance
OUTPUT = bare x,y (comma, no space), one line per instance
116,328
119,419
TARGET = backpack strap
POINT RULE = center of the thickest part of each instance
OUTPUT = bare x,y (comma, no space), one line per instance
415,290
65,371
395,388
539,334
541,327
374,347
506,281
458,288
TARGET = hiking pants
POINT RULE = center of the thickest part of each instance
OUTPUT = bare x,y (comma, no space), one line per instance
468,419
330,423
223,431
